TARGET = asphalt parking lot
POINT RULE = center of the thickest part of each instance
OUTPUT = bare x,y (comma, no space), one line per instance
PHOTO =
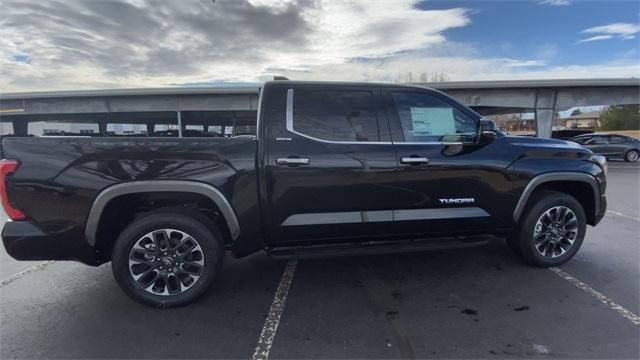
474,302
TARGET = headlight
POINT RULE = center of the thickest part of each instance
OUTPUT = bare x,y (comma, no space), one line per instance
602,161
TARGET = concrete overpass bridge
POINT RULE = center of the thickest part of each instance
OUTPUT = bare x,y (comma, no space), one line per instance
542,97
182,110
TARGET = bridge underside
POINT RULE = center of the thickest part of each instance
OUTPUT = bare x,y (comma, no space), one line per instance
544,102
194,123
161,115
195,112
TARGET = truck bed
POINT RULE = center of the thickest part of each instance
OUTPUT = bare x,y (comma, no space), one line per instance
59,178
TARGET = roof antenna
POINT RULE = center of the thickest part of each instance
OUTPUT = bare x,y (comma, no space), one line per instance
279,78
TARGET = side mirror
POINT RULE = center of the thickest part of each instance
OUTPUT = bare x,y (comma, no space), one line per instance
488,131
487,125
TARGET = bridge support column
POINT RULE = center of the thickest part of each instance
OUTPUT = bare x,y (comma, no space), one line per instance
233,124
544,122
20,127
545,112
102,128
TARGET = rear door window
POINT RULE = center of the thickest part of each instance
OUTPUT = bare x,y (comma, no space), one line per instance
617,140
597,140
583,140
336,115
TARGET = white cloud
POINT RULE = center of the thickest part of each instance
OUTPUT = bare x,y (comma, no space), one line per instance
625,31
341,30
615,29
276,4
143,43
547,51
146,42
596,38
523,63
462,68
556,2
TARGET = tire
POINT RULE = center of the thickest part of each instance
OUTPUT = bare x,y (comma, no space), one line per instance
550,244
631,156
167,274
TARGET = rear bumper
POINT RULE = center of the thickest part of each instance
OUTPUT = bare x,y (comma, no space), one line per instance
25,241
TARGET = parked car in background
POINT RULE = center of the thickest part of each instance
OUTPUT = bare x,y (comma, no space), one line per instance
611,145
569,133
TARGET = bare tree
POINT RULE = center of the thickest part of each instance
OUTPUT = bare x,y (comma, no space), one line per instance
423,77
439,77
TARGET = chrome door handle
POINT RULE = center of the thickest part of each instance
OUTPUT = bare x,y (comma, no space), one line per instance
414,160
292,161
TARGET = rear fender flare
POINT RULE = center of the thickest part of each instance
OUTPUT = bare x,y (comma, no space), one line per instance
110,193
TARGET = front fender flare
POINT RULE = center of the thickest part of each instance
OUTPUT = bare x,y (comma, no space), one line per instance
555,176
110,193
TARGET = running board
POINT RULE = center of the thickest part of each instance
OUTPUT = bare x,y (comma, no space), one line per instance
373,248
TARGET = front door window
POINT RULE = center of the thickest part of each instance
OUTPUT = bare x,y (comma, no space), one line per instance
425,118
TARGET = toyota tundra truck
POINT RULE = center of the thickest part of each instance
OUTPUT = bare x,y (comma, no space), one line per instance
333,169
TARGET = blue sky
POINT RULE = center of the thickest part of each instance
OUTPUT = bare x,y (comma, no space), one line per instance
529,29
84,44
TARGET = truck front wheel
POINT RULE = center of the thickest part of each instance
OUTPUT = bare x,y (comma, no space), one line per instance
552,230
167,259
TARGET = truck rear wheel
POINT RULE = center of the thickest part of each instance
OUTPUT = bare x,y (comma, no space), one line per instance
167,259
552,229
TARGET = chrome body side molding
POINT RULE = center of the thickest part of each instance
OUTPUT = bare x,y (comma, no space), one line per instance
353,217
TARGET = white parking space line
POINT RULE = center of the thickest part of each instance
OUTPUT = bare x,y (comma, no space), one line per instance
270,327
22,273
623,215
635,319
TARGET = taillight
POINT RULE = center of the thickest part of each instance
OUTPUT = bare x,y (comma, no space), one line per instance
6,168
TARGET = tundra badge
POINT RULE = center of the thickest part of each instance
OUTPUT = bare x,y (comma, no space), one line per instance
457,201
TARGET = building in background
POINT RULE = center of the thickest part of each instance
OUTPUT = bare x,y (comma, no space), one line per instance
514,123
589,120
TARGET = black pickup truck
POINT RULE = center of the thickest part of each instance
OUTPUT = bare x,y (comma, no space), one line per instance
334,169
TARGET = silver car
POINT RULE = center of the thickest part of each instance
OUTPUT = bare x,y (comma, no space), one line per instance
611,145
